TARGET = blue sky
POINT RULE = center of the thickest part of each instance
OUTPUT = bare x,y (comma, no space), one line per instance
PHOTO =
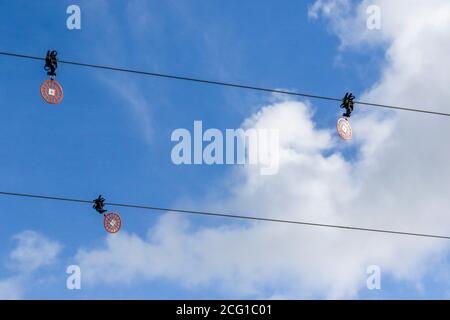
111,134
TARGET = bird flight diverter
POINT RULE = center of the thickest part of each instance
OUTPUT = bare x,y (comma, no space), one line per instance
111,221
343,125
51,90
344,129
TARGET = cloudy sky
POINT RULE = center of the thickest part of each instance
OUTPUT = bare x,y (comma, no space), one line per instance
111,135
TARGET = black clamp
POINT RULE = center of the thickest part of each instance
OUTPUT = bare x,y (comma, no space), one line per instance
348,104
99,204
51,63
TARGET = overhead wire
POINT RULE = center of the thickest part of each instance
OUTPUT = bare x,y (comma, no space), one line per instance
218,214
233,216
226,84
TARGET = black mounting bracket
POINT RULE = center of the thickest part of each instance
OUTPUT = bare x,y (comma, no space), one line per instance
348,104
51,63
99,204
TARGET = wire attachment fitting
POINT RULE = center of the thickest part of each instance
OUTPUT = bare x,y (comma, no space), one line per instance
51,63
99,205
348,104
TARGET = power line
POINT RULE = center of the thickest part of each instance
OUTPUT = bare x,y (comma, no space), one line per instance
226,215
227,84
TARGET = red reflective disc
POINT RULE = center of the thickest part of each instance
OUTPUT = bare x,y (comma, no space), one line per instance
344,129
112,222
52,92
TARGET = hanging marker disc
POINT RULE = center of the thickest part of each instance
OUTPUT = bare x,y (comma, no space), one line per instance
112,222
344,129
52,92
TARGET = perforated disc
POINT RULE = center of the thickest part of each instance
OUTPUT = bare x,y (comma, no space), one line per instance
52,92
344,129
112,222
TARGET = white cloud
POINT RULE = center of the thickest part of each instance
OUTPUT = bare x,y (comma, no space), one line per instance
329,8
33,251
10,289
345,18
398,181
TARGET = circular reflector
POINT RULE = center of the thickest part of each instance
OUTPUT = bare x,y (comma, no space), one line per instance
344,129
52,92
112,222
